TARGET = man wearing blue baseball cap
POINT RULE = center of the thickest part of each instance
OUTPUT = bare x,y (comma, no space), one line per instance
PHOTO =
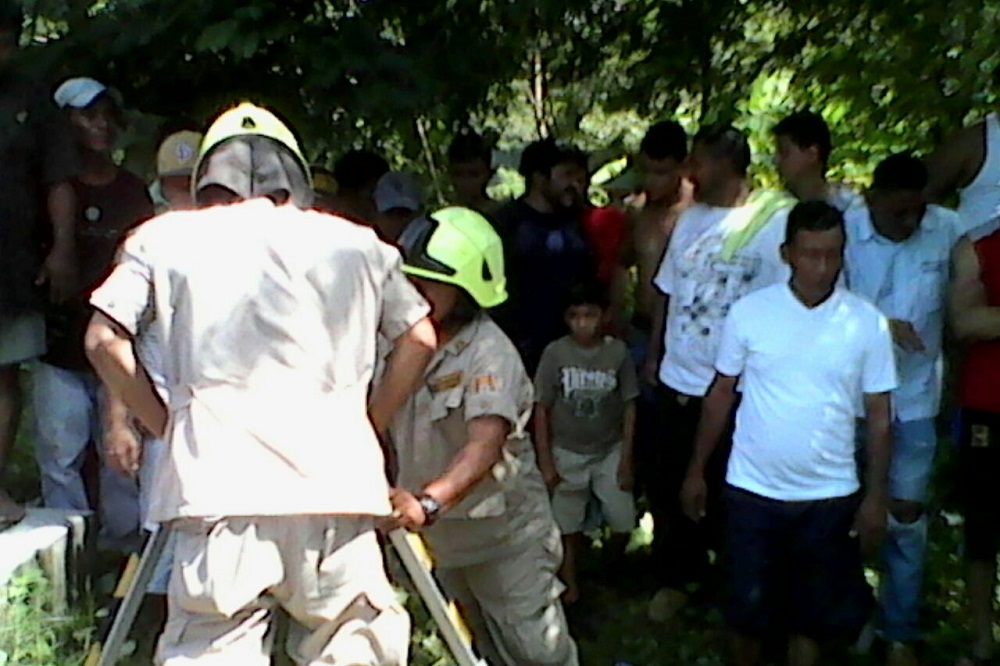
66,392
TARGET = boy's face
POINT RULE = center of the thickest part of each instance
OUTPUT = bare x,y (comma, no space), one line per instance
793,161
469,179
584,321
660,178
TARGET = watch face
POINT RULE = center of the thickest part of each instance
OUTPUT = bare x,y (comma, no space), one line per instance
430,506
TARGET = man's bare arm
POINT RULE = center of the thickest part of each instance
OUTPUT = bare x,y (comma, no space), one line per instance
654,351
543,446
122,444
404,369
59,269
870,523
110,350
954,163
715,412
621,277
970,317
878,421
486,438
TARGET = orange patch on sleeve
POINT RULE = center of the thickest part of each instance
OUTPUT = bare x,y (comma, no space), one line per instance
485,383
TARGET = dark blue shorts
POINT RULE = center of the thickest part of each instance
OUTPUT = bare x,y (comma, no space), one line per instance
792,568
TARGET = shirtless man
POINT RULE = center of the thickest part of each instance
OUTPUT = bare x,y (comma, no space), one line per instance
968,163
660,165
661,156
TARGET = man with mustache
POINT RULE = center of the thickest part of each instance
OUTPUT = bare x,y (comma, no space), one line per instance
544,246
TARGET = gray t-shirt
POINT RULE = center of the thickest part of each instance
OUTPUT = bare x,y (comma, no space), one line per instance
587,390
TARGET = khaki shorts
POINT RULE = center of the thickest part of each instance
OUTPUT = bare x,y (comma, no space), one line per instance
326,571
586,474
512,606
22,337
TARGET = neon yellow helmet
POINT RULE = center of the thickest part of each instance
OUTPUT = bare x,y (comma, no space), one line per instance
457,246
251,120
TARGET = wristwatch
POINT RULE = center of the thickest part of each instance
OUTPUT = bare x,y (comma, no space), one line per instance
430,506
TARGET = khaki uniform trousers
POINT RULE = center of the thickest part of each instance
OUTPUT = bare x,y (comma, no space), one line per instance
512,606
326,571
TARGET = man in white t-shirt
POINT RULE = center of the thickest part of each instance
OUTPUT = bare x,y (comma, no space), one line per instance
898,257
723,247
806,353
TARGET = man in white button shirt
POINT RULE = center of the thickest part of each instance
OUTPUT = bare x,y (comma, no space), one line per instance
806,353
898,257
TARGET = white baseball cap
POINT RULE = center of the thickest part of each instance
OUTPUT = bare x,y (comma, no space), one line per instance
78,93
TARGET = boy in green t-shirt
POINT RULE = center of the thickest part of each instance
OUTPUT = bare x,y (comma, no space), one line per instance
584,424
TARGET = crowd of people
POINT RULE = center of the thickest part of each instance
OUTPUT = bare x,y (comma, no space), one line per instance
279,361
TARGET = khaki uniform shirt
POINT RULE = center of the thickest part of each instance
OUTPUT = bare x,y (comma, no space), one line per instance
267,317
477,373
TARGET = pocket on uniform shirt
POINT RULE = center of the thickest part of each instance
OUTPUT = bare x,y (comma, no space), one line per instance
445,401
931,283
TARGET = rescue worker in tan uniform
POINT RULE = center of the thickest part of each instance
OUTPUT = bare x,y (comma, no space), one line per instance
267,316
466,466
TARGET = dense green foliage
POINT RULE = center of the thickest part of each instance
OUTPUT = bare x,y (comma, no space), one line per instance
404,74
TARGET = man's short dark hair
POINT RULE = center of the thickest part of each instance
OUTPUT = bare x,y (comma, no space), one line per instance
666,139
812,216
807,129
470,146
900,172
542,156
358,169
724,141
588,292
11,17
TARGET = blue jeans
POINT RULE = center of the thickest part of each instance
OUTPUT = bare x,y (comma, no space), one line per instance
904,552
68,419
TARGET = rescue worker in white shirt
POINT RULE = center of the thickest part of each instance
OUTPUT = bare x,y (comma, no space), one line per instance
466,467
898,257
274,475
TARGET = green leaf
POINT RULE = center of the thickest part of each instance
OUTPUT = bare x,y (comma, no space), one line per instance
217,36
